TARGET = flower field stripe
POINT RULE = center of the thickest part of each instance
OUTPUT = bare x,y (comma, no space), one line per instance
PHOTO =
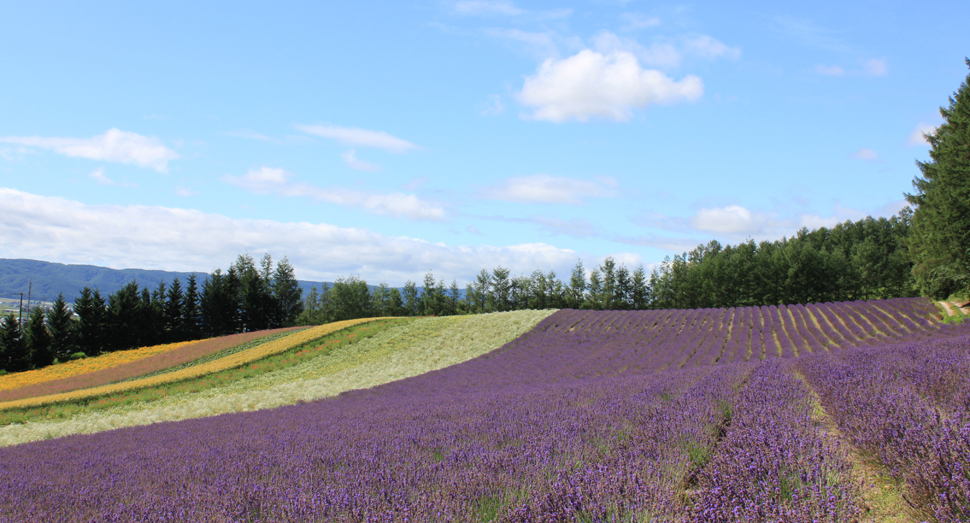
228,362
556,425
420,346
85,365
180,355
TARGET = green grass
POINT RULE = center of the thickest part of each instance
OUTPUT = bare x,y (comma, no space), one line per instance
319,347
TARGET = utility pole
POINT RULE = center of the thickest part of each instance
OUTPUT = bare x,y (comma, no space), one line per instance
30,287
20,311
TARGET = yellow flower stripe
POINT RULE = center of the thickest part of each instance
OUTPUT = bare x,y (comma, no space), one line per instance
229,362
82,366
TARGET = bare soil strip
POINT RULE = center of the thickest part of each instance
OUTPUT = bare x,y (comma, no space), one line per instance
882,495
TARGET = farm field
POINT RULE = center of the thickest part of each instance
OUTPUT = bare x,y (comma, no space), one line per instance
832,412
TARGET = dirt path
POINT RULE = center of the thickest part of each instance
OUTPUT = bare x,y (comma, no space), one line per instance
952,309
882,496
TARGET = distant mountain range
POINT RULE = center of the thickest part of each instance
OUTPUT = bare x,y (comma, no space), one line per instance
50,279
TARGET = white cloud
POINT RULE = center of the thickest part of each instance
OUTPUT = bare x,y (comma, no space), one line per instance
916,137
492,107
704,46
543,188
114,145
865,154
269,180
635,21
185,192
350,158
659,54
665,53
99,177
480,7
729,219
360,137
875,67
590,84
67,231
833,70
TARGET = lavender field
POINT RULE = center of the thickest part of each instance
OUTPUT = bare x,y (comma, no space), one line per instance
749,414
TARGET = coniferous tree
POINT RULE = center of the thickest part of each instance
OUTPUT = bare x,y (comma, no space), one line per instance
939,242
287,294
59,326
577,286
412,304
14,353
191,313
174,311
38,339
92,324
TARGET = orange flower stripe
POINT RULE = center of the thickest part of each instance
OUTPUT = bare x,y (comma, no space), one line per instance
76,367
229,362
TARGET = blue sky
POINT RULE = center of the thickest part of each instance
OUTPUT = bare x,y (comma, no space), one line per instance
387,139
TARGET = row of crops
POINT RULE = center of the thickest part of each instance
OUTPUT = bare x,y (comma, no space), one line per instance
749,414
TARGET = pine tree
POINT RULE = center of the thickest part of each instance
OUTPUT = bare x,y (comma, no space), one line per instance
92,323
174,312
14,353
287,293
191,313
38,339
59,325
939,242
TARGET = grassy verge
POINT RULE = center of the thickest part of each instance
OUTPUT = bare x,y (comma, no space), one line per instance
299,353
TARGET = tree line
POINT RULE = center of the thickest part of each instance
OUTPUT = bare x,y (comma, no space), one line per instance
858,260
246,297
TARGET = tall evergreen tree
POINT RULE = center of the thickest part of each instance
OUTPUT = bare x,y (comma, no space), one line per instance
92,324
191,313
38,339
287,294
939,243
174,312
14,353
412,304
59,326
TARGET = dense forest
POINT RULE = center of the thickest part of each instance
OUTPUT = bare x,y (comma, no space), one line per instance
243,298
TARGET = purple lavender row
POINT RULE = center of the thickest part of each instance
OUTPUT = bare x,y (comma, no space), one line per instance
907,405
417,450
773,465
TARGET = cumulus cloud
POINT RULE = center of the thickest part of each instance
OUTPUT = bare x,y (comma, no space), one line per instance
67,231
916,137
737,221
665,53
729,219
350,158
543,188
865,154
354,136
591,84
114,145
270,180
